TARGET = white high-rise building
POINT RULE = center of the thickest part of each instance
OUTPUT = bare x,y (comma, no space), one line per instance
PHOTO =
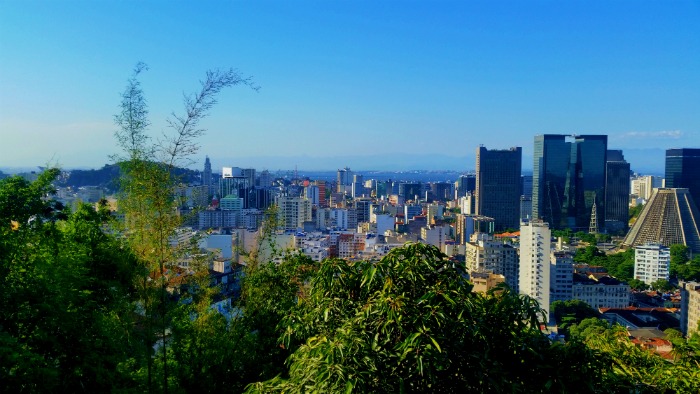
642,186
293,211
535,248
651,262
561,276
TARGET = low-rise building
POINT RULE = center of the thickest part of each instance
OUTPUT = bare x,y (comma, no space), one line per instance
604,292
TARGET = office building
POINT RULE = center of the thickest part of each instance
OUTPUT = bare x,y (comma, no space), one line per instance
683,170
617,191
344,181
534,273
568,177
498,185
206,176
464,185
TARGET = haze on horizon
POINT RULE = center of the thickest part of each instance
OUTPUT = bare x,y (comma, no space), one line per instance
370,85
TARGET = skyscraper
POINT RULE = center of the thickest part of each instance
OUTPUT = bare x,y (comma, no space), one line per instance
617,191
683,170
498,185
206,175
344,180
568,176
464,184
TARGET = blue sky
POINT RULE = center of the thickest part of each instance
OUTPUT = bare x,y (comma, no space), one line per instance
392,84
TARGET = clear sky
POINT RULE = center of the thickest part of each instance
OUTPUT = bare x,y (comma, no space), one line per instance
367,84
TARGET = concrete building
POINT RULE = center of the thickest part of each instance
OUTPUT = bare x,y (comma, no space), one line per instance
642,186
344,181
435,212
312,192
602,292
434,235
412,210
487,254
690,307
535,248
467,204
670,217
651,262
485,281
466,225
561,276
292,212
498,185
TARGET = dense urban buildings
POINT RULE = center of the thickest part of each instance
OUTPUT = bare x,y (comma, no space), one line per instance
568,177
498,185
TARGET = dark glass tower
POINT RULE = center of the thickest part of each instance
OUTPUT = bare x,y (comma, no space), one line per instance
683,170
498,185
568,177
617,192
465,184
206,175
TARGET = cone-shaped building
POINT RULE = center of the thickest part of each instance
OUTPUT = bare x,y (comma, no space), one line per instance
670,217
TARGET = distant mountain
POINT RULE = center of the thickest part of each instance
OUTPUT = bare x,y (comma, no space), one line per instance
108,177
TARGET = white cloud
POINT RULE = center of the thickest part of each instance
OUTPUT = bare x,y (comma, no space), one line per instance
673,134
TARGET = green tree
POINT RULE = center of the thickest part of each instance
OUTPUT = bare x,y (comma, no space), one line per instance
66,318
410,323
147,197
637,284
662,285
571,312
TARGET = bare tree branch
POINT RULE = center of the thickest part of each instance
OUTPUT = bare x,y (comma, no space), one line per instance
179,147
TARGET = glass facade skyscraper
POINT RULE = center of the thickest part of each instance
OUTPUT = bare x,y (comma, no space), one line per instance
617,192
498,185
568,176
683,171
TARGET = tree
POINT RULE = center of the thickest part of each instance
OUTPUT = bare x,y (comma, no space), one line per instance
65,300
662,285
637,284
410,323
147,197
567,313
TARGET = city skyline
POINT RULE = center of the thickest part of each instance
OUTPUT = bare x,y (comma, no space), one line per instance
382,86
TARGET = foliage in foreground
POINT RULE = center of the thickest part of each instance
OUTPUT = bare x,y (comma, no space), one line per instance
410,323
